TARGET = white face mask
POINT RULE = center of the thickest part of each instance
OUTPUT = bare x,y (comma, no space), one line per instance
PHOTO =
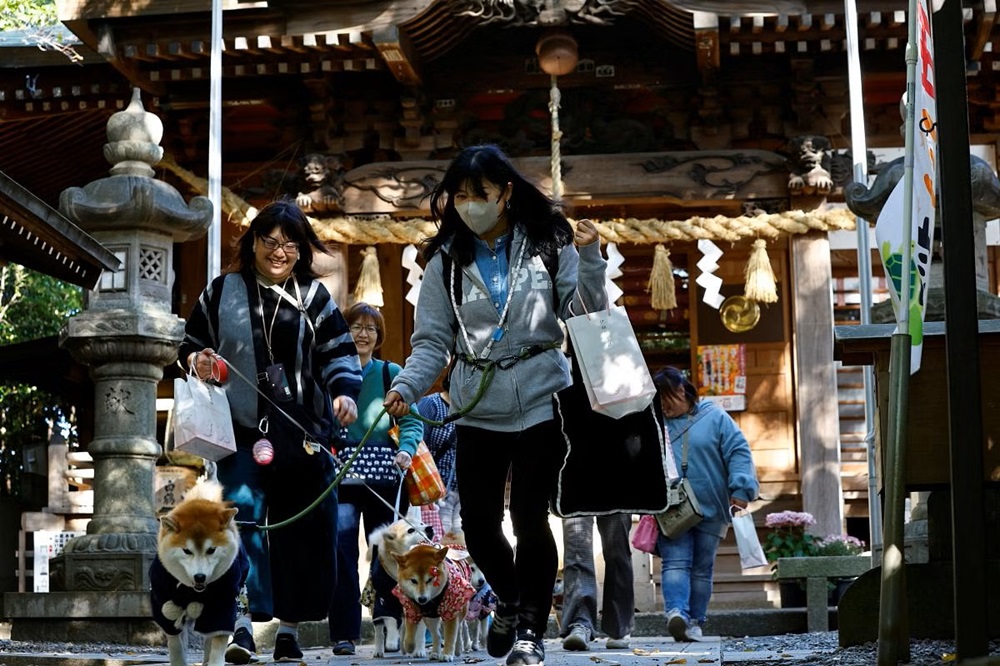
479,216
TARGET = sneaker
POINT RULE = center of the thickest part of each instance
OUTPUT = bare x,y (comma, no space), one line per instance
578,638
618,643
241,649
677,626
527,651
344,648
694,633
500,638
286,648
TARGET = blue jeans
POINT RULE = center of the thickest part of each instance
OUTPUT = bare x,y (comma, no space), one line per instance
686,572
580,581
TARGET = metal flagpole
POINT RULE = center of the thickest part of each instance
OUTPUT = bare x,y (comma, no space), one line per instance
893,632
215,144
859,149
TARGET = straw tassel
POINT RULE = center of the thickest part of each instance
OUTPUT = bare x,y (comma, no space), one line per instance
661,281
369,287
760,284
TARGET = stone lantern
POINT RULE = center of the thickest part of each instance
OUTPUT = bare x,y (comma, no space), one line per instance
126,334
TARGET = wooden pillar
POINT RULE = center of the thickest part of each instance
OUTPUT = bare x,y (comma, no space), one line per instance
817,419
332,269
397,339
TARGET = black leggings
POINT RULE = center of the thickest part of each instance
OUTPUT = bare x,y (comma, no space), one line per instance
482,462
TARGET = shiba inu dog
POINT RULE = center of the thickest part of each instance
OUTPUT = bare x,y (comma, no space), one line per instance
385,542
433,588
198,571
473,636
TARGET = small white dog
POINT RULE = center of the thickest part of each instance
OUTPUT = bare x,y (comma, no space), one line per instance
480,607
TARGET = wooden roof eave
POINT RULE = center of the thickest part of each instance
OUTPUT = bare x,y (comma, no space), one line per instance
40,238
724,175
405,225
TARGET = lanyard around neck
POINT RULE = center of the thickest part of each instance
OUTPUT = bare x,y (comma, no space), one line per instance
498,332
297,302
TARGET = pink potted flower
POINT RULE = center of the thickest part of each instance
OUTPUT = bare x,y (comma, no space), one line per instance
788,536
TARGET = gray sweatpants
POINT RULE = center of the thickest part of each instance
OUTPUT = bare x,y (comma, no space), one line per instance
580,580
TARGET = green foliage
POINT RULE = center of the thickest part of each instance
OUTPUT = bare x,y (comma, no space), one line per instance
27,415
23,14
792,541
32,306
788,536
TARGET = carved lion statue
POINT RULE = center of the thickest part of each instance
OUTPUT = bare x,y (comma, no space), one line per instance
809,165
322,179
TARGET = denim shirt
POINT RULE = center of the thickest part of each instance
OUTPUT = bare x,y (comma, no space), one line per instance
493,265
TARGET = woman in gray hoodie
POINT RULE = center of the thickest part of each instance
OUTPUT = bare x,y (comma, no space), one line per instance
503,271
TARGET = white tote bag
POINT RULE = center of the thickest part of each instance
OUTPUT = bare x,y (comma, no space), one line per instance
203,424
611,363
751,554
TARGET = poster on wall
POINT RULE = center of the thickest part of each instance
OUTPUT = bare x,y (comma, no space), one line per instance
722,375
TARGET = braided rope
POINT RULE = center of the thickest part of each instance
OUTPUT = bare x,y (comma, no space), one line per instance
555,161
631,230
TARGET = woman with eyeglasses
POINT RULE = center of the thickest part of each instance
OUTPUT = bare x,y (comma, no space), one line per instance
293,380
372,487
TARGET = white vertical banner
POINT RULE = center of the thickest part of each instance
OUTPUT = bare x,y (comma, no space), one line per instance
891,228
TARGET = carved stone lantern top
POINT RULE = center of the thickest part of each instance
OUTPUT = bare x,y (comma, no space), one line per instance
134,136
131,199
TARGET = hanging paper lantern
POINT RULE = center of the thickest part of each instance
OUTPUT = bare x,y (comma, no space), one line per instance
760,283
661,281
369,286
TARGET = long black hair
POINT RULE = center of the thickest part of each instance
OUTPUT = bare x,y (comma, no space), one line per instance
541,218
282,214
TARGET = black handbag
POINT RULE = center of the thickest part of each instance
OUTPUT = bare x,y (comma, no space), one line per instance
610,465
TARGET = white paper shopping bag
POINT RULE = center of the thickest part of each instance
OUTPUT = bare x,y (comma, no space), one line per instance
751,553
203,424
611,363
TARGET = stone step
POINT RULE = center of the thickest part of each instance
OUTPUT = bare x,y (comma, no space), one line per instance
721,622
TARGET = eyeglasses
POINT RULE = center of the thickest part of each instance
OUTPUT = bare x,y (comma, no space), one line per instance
369,329
274,244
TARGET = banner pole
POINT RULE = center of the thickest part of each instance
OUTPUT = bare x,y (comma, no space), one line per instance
893,632
859,151
214,258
